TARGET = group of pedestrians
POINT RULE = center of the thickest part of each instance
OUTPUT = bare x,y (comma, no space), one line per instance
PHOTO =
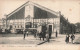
43,35
37,34
72,37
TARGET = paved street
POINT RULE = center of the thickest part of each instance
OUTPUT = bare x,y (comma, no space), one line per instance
61,40
30,40
55,43
59,44
18,39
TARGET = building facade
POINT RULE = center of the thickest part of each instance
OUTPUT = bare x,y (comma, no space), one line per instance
31,15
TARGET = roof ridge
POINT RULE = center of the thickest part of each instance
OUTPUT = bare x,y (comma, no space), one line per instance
35,4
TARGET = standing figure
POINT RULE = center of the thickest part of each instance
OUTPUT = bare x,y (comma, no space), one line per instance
56,33
43,35
47,36
39,31
44,28
72,38
35,33
67,38
27,33
24,34
40,35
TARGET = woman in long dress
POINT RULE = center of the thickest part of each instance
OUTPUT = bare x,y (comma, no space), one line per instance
67,38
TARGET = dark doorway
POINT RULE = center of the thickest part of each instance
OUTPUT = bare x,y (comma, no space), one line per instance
28,25
10,27
50,30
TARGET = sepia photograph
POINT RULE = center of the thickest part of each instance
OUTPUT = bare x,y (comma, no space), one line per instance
40,24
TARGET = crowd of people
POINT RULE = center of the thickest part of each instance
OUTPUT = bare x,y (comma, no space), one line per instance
46,35
42,34
38,34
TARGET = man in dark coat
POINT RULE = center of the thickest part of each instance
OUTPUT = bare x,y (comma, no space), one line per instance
72,38
56,33
40,35
24,34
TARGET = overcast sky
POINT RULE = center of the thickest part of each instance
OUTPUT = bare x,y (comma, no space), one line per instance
70,9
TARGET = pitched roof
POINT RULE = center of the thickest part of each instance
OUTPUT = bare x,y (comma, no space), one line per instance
44,8
37,5
17,9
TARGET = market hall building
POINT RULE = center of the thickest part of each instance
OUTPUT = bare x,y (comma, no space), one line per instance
32,15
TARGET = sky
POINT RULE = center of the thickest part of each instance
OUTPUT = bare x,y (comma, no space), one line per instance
70,9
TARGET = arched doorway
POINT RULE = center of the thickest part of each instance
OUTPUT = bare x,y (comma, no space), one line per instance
28,25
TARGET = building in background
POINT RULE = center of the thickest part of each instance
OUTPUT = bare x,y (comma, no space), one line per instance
31,15
1,24
77,28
